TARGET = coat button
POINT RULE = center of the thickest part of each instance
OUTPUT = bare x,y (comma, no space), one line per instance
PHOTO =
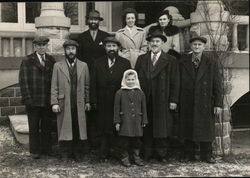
132,109
133,115
132,103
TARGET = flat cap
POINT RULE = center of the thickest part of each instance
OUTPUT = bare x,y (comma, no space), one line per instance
155,34
41,40
111,39
70,43
200,38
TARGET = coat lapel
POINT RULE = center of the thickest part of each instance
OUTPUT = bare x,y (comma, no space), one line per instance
64,69
160,64
130,36
89,37
146,65
36,61
79,69
204,64
187,63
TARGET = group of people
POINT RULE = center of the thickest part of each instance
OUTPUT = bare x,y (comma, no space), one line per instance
119,94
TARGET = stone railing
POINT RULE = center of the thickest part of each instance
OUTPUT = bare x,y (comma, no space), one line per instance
243,21
236,21
16,44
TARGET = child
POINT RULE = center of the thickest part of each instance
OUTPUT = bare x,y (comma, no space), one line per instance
130,116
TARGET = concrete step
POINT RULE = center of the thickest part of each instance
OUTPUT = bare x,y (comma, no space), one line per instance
20,128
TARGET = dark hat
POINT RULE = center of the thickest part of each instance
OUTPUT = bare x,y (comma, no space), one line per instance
200,38
94,14
164,12
111,39
70,43
41,40
156,33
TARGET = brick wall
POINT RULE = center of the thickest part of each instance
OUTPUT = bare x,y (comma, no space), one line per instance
11,102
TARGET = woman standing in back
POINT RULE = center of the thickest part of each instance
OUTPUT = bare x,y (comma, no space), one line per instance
132,38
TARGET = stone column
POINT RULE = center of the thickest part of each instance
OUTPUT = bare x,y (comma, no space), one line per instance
53,24
210,21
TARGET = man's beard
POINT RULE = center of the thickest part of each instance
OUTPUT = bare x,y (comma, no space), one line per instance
112,54
93,26
71,57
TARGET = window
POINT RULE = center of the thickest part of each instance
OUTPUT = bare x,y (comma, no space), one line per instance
71,11
33,10
8,12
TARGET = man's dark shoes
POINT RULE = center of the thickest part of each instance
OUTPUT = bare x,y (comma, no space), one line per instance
210,160
125,162
35,156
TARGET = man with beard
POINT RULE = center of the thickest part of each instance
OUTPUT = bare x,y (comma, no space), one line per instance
91,48
106,79
70,99
35,80
158,74
91,41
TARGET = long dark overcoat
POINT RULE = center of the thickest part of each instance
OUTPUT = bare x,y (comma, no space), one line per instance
130,112
103,86
89,50
163,83
198,96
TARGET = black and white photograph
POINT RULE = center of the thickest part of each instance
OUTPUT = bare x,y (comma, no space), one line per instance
124,89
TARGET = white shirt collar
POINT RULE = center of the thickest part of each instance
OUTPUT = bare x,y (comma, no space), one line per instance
157,55
72,65
39,56
110,62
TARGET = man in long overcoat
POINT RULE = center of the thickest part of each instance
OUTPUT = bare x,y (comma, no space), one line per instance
70,99
91,48
106,79
200,99
35,80
159,78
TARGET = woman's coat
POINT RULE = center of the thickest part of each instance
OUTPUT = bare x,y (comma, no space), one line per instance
60,94
132,44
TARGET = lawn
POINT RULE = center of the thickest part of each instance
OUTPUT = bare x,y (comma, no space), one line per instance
15,162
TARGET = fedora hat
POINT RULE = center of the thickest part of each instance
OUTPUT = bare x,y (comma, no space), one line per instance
94,14
111,39
155,34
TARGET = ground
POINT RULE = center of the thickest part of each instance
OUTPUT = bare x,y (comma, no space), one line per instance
15,162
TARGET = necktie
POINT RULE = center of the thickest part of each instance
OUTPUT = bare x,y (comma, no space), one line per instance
111,63
93,35
43,60
154,59
196,62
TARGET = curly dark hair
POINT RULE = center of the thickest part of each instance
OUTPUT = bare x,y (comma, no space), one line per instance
128,11
165,12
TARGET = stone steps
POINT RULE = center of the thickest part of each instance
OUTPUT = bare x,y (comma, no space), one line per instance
20,128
